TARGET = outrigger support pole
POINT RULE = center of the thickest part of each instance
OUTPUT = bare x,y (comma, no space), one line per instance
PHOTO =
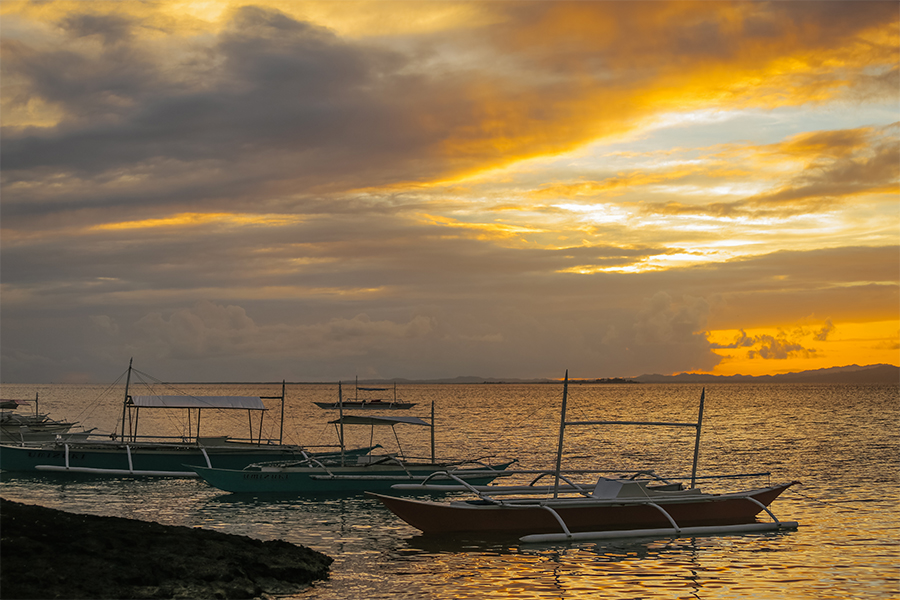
341,419
697,442
697,426
562,429
125,402
281,429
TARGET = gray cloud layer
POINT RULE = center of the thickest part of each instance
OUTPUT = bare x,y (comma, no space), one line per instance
293,126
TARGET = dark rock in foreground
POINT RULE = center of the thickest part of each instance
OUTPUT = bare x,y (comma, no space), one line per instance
46,553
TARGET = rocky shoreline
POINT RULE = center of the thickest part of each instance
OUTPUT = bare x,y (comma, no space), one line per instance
46,553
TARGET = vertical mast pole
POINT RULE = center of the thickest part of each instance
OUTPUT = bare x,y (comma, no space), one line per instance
341,419
697,442
432,432
281,430
125,402
562,429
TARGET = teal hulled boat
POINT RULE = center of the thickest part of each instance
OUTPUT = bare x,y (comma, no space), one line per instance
350,474
309,478
153,459
126,453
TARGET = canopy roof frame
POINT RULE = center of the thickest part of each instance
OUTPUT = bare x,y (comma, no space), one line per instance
133,403
374,420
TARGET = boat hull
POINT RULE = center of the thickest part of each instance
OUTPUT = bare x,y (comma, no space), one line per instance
372,404
33,435
166,460
581,515
353,479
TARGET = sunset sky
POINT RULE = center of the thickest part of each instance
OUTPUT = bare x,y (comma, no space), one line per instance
258,191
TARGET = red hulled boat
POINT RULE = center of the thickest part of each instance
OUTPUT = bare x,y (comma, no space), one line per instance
610,508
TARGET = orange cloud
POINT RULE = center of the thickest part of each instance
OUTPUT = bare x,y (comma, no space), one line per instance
192,219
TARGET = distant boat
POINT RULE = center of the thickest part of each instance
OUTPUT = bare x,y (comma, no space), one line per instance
22,428
351,474
374,403
612,508
126,453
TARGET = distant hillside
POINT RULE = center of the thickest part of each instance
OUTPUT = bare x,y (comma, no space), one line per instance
853,374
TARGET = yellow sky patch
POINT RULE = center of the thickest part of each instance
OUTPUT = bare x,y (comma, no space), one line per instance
485,230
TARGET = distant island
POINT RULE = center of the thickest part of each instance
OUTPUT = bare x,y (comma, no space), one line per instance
851,374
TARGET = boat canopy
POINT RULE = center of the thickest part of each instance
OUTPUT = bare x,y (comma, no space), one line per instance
219,402
378,420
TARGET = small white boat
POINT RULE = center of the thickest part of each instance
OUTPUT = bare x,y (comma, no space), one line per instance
23,428
391,403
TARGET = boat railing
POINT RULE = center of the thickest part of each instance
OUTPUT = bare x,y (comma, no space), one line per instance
480,464
201,440
391,459
307,461
465,485
572,487
486,493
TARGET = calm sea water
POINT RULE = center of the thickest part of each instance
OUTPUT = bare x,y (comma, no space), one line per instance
840,441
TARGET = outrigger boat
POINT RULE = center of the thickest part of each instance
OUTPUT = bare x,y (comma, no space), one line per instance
611,508
24,429
351,474
367,473
126,453
373,403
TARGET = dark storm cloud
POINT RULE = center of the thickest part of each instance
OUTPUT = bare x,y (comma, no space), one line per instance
277,100
659,37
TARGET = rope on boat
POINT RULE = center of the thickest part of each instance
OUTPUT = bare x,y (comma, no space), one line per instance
89,408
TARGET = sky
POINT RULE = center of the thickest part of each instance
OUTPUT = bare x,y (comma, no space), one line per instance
313,191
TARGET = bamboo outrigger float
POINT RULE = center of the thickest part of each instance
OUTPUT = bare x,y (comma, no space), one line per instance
610,508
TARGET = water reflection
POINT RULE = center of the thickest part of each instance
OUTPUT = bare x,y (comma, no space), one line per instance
840,441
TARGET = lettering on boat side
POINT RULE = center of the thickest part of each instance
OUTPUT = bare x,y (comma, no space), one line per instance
43,454
265,476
